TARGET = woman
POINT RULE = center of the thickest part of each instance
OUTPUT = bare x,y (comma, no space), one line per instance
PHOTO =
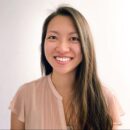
70,95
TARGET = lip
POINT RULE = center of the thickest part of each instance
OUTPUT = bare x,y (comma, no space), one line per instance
62,60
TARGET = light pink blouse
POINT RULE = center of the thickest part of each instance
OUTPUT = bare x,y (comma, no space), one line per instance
40,106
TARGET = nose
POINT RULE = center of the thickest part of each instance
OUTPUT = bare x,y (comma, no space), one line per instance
63,47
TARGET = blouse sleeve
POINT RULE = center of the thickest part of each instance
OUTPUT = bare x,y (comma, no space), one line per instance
17,104
115,109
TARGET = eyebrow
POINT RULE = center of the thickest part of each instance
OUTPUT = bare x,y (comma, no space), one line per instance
56,32
52,32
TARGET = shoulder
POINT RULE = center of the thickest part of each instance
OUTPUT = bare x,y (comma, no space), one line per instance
108,93
30,90
34,84
110,97
114,107
26,95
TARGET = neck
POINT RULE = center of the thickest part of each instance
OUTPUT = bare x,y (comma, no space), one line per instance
63,83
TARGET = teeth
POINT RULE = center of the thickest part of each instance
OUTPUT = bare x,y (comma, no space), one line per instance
63,59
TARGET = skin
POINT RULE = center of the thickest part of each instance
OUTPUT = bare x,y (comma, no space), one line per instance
63,52
61,41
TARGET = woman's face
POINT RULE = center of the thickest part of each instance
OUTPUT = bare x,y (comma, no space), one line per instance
62,45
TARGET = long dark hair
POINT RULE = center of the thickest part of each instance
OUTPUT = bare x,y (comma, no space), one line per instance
88,96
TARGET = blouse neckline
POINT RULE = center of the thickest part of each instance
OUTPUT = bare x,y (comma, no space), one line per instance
55,92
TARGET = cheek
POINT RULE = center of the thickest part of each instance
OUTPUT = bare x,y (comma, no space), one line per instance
47,48
78,52
80,55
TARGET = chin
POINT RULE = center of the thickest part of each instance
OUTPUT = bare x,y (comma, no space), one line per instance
64,71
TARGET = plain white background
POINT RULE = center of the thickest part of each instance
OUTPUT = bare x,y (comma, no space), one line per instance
20,36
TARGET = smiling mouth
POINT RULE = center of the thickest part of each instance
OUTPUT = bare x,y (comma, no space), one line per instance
63,59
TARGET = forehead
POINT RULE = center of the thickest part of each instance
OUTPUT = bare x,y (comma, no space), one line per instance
62,23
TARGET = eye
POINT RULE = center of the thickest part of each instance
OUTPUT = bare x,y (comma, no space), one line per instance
74,39
52,37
